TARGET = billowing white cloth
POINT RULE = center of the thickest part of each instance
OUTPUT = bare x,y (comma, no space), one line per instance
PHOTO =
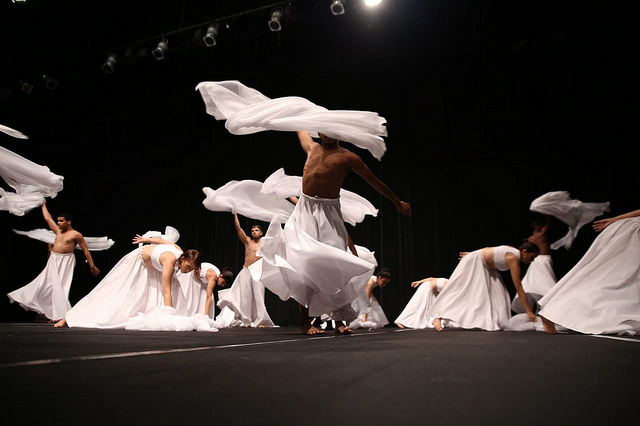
249,111
601,293
31,182
371,307
166,318
244,198
48,294
245,297
194,290
13,132
353,206
538,280
574,213
48,236
312,257
171,234
129,289
475,296
416,313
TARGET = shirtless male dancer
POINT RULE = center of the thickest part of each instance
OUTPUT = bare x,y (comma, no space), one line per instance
325,169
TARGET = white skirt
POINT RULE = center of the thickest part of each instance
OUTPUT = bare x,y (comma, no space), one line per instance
312,258
375,315
48,293
194,292
245,298
129,289
601,293
475,296
416,313
538,280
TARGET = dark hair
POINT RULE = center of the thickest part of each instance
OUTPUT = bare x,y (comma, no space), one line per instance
384,273
227,275
193,254
257,226
66,216
529,246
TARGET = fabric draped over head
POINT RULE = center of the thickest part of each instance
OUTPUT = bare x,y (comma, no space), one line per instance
31,182
574,213
248,111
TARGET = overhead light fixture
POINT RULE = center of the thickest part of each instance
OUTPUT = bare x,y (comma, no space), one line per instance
26,87
372,3
109,65
274,22
49,82
210,37
337,8
160,50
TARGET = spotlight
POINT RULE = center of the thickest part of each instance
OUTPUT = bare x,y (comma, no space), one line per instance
49,82
337,8
109,65
159,51
372,3
210,37
26,87
274,22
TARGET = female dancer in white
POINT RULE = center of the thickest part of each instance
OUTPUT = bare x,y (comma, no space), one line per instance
599,295
141,281
416,313
475,296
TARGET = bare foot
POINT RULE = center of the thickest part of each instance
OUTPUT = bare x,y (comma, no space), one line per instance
311,330
437,324
61,323
344,330
549,326
400,325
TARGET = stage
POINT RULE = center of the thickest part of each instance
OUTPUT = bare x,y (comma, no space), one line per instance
278,376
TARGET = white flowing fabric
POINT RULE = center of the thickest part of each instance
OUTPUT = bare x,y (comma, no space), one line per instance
475,296
601,293
538,280
244,197
13,132
31,182
48,236
130,297
371,307
353,206
249,111
171,234
574,213
245,297
416,313
312,257
48,294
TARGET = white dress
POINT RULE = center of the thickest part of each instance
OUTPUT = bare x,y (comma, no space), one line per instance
416,313
311,255
194,289
601,293
245,298
371,307
475,296
48,293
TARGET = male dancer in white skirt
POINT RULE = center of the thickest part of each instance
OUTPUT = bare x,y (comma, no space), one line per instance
48,294
322,275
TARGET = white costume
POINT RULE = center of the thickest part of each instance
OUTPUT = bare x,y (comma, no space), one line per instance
601,293
13,132
363,305
475,296
48,294
245,298
249,111
194,290
416,313
538,280
31,182
311,253
48,236
130,296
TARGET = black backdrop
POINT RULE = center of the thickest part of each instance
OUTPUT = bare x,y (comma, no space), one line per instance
489,105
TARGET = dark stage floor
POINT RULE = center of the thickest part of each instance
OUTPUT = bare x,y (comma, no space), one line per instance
277,376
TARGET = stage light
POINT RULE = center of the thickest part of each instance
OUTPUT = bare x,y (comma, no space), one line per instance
372,3
274,22
49,82
160,50
210,37
337,8
26,87
109,65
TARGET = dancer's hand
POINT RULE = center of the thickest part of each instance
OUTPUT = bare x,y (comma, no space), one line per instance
599,225
138,239
531,317
404,208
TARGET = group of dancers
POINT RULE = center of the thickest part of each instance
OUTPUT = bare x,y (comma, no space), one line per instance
307,254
